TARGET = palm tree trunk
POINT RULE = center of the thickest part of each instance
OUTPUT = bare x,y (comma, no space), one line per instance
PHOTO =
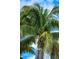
54,56
40,45
40,54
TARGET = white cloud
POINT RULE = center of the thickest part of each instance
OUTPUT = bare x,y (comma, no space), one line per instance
49,0
46,56
33,57
34,45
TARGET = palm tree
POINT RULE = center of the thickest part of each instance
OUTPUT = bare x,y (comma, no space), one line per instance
38,22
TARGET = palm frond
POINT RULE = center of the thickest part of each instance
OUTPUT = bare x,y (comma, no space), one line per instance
54,11
25,43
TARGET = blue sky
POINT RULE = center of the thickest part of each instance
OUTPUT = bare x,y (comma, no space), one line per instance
46,4
27,55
